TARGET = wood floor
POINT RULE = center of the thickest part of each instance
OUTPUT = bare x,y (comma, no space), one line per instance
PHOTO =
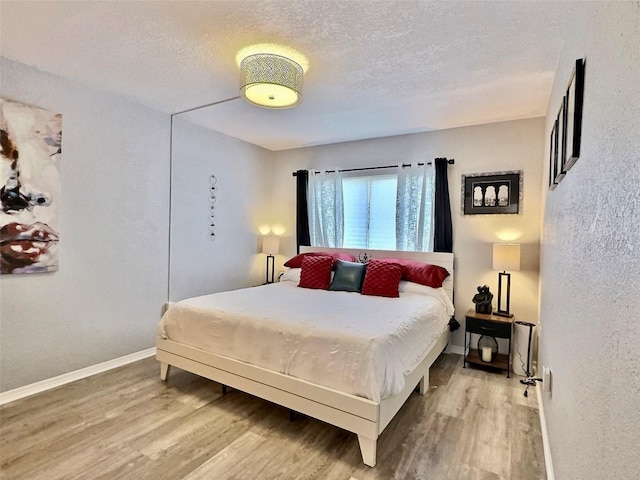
127,424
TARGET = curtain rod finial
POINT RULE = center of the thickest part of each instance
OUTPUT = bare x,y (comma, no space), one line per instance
450,161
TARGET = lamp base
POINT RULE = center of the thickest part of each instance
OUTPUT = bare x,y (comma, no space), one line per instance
503,308
271,261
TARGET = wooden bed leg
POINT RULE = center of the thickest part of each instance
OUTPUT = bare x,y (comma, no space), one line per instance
423,385
368,450
164,371
224,389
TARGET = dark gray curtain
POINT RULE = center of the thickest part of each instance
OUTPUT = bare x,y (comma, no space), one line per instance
443,231
302,212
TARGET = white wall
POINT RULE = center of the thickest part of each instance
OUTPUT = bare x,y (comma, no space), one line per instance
106,298
198,265
494,147
590,257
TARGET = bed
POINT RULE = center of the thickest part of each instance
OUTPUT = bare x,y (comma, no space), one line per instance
268,342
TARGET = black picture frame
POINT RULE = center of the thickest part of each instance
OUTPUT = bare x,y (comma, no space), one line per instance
492,193
561,123
553,156
574,101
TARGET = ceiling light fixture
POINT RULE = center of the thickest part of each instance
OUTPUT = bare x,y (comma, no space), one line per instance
271,81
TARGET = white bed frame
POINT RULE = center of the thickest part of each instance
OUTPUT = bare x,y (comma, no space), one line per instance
359,415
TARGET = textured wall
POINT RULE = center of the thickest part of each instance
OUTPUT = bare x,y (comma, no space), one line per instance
493,147
590,257
105,300
198,265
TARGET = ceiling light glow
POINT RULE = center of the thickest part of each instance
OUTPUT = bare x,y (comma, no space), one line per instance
276,49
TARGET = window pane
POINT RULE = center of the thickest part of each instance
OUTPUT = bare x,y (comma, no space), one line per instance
370,212
382,213
355,192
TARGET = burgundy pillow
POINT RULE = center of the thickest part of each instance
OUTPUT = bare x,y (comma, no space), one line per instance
296,262
420,272
316,272
382,279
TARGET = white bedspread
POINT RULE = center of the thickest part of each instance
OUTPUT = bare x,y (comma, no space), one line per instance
353,343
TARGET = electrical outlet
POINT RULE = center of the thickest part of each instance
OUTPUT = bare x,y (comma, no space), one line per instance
546,379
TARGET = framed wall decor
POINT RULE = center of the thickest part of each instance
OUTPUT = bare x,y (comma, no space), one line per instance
213,187
491,193
561,123
574,99
31,148
553,156
566,133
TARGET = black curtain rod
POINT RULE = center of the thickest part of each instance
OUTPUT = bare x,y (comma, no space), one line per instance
450,161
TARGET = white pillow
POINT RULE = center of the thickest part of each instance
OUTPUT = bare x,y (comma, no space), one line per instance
412,287
291,275
439,293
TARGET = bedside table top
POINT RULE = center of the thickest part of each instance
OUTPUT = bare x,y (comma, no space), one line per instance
492,318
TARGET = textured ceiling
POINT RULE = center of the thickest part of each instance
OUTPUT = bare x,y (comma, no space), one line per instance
376,68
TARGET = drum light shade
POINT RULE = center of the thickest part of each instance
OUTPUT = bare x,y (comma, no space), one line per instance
506,257
270,244
271,81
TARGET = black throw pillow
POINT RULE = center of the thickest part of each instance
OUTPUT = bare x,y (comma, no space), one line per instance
348,276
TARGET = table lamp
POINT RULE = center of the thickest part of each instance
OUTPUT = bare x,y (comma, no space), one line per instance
506,256
270,246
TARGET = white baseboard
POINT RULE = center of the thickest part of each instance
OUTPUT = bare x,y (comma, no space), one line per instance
49,383
545,436
457,349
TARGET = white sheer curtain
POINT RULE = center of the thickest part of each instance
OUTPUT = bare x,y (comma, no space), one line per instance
326,211
414,208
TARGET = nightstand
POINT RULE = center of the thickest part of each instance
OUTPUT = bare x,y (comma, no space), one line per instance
490,325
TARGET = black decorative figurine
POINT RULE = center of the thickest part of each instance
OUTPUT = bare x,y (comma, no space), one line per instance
483,300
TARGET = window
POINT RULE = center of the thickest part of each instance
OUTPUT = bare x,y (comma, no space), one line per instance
370,212
377,211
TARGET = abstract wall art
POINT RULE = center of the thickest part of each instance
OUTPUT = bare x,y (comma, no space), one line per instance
30,151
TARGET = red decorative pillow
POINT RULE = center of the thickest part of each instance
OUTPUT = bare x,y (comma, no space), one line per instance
316,272
420,272
382,279
296,262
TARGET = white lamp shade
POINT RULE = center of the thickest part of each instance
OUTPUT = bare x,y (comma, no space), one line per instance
270,244
506,257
